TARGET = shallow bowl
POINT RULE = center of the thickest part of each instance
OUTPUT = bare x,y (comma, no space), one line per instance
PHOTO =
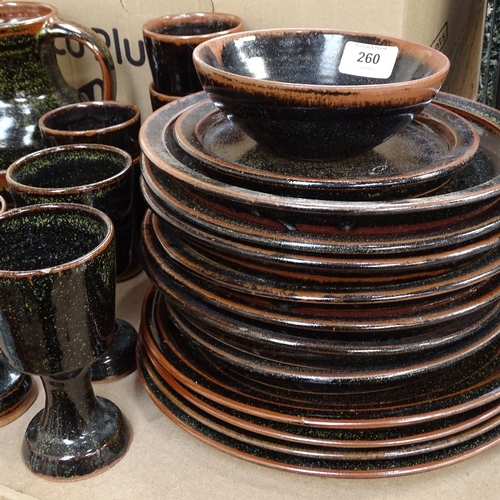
316,94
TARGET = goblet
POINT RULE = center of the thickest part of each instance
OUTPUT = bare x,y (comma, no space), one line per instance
113,123
91,174
17,391
57,314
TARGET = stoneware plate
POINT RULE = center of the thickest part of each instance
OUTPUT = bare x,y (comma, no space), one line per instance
418,159
469,384
468,190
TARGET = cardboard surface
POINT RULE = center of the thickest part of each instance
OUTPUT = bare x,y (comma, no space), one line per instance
165,462
454,27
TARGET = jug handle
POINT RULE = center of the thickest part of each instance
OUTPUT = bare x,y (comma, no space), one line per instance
59,28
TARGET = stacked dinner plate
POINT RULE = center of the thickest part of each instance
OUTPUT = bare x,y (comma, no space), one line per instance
338,318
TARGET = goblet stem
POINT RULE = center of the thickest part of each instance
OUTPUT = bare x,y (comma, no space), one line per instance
70,403
77,433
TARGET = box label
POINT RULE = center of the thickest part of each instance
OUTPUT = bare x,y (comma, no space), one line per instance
371,61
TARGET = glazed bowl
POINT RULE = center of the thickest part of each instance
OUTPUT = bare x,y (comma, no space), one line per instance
316,94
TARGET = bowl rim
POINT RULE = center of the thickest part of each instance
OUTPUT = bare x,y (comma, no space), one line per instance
421,88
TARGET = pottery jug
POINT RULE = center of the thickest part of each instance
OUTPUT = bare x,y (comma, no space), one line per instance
31,82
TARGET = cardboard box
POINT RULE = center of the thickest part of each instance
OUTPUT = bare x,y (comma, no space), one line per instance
454,27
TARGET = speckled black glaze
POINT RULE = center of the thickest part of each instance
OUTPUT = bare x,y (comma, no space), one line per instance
30,79
417,160
170,41
471,383
99,176
334,443
284,89
323,372
57,300
17,392
101,122
474,188
96,175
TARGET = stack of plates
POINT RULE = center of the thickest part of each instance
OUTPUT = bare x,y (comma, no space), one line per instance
332,318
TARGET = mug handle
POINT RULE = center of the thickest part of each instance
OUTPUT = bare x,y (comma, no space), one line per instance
60,28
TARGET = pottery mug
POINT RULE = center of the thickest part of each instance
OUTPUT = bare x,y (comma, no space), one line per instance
170,41
113,123
100,176
158,99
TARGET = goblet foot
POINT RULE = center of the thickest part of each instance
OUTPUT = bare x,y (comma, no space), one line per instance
119,358
17,393
101,444
77,433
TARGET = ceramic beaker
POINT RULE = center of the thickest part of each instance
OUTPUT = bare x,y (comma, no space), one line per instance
170,41
102,122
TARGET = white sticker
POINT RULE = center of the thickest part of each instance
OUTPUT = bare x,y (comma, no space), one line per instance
373,61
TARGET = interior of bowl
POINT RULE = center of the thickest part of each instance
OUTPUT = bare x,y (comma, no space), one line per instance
314,57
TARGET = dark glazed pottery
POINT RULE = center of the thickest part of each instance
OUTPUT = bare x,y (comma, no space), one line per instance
327,336
158,99
101,122
170,41
292,91
417,160
99,176
17,390
30,80
98,122
475,188
91,174
57,300
352,429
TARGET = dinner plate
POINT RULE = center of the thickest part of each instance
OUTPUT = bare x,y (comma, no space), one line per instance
417,160
336,438
476,185
293,458
314,450
416,444
301,288
322,374
352,249
333,317
468,384
290,344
